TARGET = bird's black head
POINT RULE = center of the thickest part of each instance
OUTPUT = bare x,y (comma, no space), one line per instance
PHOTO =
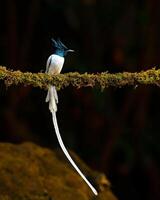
59,48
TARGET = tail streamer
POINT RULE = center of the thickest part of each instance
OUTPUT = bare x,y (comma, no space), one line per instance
54,118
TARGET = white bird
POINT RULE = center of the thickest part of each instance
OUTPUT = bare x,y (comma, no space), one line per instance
54,66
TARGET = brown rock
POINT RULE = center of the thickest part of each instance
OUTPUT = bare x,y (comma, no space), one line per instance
30,172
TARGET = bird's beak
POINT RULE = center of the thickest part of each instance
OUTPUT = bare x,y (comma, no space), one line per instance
70,50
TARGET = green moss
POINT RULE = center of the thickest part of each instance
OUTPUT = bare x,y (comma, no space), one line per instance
101,80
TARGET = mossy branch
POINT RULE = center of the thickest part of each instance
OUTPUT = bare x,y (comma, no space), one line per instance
102,80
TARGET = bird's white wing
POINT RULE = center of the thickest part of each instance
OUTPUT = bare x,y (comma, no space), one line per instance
48,64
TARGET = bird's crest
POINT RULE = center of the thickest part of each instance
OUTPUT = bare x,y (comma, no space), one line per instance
58,44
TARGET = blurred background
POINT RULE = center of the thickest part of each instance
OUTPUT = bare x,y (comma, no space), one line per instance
115,131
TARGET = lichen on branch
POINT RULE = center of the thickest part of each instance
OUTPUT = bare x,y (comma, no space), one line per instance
101,80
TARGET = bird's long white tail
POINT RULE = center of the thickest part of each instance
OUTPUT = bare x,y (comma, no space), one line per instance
52,98
67,154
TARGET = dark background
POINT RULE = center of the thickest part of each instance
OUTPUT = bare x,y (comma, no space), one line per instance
115,131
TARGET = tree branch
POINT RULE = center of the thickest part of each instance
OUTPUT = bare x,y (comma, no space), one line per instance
102,80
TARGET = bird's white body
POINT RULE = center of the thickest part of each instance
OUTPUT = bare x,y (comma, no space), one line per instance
54,64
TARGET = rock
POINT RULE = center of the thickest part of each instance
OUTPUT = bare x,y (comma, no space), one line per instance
30,172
